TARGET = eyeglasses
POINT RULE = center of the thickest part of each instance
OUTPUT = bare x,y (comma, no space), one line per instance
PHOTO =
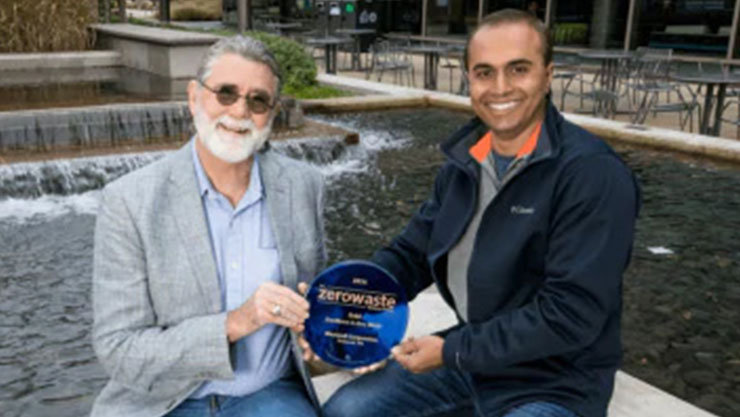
257,102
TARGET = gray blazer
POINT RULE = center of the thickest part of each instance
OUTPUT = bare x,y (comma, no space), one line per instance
159,330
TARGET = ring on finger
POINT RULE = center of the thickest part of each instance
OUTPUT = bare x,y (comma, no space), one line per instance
276,310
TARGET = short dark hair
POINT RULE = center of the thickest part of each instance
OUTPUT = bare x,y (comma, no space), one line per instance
514,16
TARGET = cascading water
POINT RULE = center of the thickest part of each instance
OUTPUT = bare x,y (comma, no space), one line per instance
107,125
74,176
66,177
32,189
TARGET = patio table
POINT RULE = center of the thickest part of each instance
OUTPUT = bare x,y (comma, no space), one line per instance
610,62
356,35
609,73
455,55
431,61
329,43
279,27
710,80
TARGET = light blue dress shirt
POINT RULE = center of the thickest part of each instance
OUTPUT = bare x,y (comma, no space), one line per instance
246,256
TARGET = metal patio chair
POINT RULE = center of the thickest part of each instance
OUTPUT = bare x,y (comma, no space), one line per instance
565,70
583,84
654,63
732,99
650,80
385,57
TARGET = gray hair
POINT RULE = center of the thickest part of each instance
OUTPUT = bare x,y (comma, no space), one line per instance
248,48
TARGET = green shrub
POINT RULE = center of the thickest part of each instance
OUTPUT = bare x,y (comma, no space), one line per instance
297,67
45,25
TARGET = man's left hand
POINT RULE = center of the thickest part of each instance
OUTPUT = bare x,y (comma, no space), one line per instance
420,355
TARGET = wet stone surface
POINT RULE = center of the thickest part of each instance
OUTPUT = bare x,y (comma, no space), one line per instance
47,366
681,311
26,97
680,317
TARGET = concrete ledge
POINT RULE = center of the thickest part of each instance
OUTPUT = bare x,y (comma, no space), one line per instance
634,398
154,35
690,143
368,86
56,60
166,52
375,102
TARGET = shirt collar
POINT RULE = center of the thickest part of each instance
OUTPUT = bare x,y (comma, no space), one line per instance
205,187
482,148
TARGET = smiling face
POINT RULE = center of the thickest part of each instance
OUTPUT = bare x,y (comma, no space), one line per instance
508,79
232,132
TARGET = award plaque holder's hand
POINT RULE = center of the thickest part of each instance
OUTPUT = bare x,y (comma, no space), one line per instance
271,303
419,355
315,364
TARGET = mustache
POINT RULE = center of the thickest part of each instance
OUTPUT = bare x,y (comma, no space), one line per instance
235,124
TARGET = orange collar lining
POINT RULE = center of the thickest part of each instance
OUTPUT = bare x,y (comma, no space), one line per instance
482,148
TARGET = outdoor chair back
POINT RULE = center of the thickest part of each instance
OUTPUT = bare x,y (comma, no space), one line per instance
732,99
652,69
388,57
578,80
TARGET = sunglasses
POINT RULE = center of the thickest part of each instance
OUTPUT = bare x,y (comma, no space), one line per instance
257,102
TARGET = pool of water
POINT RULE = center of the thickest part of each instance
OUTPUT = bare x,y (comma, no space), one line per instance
73,87
680,294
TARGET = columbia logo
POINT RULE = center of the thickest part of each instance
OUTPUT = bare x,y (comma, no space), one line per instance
522,210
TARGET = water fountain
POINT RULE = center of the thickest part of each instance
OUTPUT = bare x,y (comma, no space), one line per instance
679,329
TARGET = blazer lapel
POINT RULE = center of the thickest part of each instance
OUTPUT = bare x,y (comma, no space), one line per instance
277,186
191,223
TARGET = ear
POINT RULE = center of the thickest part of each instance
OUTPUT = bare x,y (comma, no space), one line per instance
550,70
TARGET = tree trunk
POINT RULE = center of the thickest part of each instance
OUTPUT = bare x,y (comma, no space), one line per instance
122,10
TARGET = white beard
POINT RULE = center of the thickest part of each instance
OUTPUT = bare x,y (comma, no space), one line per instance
230,147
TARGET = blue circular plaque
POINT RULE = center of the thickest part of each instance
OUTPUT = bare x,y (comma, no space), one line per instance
358,313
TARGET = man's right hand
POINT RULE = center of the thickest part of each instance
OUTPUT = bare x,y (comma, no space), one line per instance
270,304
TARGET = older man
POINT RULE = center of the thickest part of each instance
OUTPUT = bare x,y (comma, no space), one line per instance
197,258
527,232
